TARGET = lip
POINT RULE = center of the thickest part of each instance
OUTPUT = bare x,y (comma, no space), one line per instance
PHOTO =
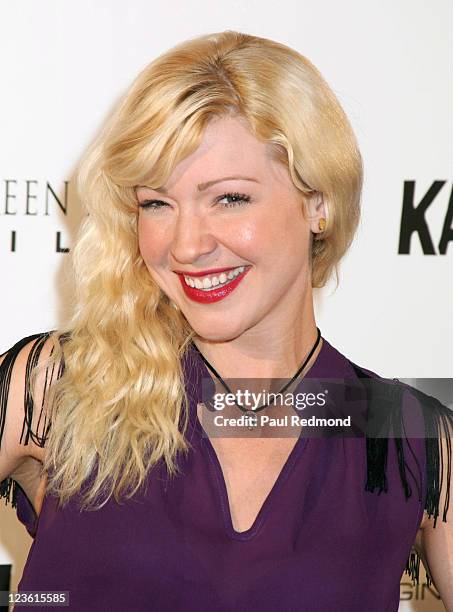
205,272
214,295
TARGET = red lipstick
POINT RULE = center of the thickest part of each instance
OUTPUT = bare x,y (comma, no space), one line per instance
214,294
204,272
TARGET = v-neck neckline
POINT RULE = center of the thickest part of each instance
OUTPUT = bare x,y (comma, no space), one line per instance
218,473
315,370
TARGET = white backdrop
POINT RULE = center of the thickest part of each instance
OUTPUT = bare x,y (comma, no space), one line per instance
64,64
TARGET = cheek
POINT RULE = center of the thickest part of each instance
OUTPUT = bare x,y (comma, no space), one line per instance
269,237
296,230
246,236
255,234
150,241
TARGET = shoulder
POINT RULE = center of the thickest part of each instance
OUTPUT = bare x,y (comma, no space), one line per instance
26,376
27,352
424,424
417,424
17,364
411,413
408,443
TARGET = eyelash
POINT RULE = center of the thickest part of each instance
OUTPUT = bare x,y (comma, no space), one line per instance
240,200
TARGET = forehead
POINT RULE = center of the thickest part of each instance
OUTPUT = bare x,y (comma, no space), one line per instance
227,149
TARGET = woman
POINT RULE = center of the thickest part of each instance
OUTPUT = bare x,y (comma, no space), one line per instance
224,188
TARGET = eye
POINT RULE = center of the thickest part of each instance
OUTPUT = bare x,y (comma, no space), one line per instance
236,199
152,204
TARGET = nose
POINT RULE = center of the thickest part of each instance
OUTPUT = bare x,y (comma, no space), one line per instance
191,238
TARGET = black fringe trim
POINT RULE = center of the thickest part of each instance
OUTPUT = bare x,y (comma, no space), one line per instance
8,487
8,491
413,568
384,407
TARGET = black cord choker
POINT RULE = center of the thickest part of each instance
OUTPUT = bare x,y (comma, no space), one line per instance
252,411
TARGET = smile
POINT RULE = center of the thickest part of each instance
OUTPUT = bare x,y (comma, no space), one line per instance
213,287
208,282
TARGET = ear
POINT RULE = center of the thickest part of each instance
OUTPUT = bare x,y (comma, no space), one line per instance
316,210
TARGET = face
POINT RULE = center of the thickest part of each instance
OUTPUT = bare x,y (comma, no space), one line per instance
226,238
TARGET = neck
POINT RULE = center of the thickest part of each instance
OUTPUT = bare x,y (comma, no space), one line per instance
263,355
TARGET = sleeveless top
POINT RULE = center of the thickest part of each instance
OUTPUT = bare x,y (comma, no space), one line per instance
334,533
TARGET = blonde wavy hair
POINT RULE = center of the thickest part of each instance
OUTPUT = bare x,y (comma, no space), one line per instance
120,405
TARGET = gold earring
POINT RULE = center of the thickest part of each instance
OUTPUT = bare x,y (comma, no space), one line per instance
322,225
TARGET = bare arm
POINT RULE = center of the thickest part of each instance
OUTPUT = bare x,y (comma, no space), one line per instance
435,544
23,423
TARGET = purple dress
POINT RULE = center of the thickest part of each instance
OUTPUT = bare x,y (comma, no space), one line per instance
321,541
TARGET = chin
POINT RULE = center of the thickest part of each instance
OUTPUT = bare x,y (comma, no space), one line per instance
219,333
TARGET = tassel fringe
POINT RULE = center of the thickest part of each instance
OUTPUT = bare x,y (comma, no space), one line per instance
8,487
413,569
8,492
387,399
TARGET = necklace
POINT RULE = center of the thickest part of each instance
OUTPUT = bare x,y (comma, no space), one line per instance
250,413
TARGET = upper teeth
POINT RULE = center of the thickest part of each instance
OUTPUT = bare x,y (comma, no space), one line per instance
206,282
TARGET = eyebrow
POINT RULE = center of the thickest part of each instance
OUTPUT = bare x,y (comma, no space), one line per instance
207,184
